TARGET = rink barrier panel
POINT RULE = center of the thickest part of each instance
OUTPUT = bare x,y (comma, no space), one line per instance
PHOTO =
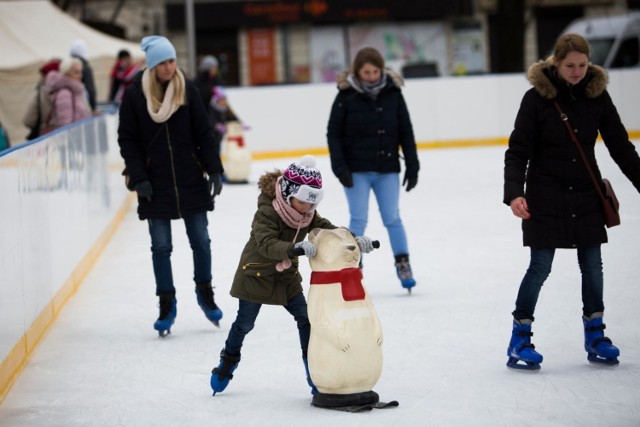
76,168
447,112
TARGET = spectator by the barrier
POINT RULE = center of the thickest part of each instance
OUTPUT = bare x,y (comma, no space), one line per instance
79,50
40,105
173,163
68,101
122,74
221,112
368,126
207,80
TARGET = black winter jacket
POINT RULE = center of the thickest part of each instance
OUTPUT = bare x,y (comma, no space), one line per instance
365,135
173,156
564,206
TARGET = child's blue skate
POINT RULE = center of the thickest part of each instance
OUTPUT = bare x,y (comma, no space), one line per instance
599,348
221,375
520,348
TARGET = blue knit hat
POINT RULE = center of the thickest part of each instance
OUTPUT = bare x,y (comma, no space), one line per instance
157,49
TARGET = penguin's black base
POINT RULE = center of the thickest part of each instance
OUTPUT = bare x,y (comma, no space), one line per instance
326,400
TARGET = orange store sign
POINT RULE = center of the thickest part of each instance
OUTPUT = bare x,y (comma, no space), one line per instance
262,65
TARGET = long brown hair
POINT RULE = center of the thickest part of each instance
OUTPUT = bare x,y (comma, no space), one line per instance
367,55
567,43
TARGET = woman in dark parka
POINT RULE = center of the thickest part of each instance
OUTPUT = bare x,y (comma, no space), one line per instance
173,163
560,207
368,126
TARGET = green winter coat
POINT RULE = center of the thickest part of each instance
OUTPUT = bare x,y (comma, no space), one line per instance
256,278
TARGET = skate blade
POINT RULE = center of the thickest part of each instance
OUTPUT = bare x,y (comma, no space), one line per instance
512,363
164,333
595,360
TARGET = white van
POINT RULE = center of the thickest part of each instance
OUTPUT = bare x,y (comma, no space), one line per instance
615,40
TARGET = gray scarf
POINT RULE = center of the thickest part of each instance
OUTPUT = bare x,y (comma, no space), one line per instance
370,89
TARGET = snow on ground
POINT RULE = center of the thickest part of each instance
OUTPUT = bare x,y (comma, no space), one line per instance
102,364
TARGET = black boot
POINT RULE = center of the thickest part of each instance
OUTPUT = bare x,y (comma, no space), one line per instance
168,313
204,294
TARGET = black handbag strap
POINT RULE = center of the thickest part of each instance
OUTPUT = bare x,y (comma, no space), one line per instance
572,134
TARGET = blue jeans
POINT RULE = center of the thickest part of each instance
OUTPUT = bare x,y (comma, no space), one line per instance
161,248
386,187
590,263
246,319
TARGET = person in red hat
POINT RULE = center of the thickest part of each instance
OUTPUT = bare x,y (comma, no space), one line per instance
40,104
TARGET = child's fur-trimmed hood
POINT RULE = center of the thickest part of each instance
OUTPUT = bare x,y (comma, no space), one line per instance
267,183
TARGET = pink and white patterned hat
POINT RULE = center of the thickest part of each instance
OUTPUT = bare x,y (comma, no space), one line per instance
303,181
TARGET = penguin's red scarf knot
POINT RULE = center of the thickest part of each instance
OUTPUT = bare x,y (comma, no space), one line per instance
349,278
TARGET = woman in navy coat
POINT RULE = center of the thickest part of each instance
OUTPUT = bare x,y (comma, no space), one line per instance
368,126
173,164
547,185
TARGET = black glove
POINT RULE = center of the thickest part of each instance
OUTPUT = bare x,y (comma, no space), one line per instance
144,190
410,179
215,184
346,179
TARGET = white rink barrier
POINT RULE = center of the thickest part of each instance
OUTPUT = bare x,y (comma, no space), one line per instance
445,111
62,197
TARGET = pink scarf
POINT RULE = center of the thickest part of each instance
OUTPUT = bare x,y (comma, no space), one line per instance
291,217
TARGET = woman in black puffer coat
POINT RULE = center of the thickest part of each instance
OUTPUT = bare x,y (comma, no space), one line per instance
173,164
547,185
368,126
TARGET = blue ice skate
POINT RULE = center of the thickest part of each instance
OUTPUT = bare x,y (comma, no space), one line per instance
168,313
204,294
598,347
403,269
221,375
521,349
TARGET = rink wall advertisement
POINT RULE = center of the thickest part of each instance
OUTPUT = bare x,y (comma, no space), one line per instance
63,194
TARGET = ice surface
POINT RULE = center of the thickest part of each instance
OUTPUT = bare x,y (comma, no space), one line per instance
102,364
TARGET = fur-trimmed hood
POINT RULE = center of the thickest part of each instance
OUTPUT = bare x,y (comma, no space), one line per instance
267,183
540,76
344,83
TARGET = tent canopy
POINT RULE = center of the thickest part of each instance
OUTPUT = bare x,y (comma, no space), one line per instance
31,33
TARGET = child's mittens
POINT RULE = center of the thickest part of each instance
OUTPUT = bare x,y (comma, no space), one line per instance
303,248
365,244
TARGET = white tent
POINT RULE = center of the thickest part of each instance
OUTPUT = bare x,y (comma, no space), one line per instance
31,33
